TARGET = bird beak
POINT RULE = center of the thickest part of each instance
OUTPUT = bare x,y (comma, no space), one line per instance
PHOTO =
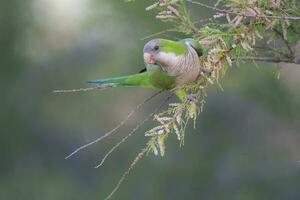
148,58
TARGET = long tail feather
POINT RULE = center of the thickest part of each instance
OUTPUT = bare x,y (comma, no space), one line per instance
135,80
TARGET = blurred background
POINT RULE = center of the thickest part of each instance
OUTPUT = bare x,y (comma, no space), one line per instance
245,146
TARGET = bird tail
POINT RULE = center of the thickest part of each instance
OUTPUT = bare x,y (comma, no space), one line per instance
135,80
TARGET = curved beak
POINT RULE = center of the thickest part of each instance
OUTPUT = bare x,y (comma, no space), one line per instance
148,58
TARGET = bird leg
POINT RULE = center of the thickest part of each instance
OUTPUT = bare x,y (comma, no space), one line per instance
191,97
205,70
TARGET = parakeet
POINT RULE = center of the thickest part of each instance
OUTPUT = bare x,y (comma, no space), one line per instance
169,64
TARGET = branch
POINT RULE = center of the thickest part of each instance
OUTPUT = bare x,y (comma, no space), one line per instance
269,59
244,15
275,50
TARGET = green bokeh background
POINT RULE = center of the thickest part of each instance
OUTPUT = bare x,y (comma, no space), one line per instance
245,146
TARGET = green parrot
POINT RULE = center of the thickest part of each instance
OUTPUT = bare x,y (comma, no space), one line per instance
169,64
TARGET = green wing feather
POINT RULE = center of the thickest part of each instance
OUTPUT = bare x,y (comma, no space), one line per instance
160,78
196,45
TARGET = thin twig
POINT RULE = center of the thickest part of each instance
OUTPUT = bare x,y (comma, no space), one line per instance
203,20
159,33
133,130
294,29
226,52
125,174
116,127
97,87
174,12
244,15
173,29
287,44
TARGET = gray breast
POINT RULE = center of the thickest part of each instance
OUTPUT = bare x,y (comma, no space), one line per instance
185,68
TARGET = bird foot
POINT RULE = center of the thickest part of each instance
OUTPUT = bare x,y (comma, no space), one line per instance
205,70
191,97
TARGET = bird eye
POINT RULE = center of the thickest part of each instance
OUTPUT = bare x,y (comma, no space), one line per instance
156,48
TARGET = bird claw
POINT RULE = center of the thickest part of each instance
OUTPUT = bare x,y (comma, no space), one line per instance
205,70
191,97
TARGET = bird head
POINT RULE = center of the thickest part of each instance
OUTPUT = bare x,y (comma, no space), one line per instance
162,51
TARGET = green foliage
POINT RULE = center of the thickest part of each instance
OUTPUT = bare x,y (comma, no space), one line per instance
247,24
